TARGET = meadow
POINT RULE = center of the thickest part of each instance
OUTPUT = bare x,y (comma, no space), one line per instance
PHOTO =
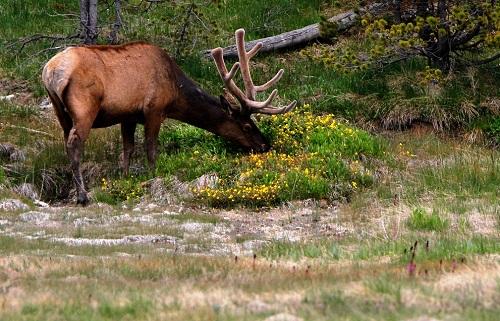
379,199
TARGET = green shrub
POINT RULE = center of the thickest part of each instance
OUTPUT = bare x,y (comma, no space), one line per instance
492,129
421,220
312,155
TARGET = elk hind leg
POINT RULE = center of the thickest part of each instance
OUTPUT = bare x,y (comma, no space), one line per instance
83,116
128,131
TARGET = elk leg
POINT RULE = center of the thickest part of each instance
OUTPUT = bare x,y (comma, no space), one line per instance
74,147
83,118
128,130
151,130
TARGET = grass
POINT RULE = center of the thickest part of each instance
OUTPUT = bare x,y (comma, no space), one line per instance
152,287
445,247
385,191
421,220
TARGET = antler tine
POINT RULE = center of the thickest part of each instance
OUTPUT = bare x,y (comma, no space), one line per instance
270,110
244,58
227,77
271,82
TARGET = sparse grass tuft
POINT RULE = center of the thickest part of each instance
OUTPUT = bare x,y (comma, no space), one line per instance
421,220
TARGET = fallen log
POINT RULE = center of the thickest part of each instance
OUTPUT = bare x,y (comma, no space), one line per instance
304,35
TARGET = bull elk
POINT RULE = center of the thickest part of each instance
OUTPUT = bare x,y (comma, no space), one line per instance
100,86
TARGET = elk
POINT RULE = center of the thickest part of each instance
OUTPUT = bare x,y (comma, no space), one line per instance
138,83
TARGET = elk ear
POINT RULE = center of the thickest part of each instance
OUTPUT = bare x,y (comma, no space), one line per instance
227,106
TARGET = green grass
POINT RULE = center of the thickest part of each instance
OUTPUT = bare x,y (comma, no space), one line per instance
106,310
421,220
443,247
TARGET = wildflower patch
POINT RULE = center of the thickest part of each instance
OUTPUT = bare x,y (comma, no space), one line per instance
313,156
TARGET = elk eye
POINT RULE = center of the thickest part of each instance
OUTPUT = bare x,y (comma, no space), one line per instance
247,127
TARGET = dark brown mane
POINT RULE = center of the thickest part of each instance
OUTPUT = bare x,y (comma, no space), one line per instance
115,47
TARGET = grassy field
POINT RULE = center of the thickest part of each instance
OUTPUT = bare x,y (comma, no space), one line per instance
379,201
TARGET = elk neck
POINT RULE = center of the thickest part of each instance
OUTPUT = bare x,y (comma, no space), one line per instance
198,108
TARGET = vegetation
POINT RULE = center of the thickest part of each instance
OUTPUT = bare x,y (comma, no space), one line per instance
342,219
421,220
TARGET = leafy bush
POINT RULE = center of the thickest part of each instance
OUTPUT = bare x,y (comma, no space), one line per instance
492,129
421,220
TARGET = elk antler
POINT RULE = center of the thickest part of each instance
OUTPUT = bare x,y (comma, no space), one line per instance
247,98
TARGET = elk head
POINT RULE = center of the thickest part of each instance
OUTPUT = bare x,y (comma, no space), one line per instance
247,134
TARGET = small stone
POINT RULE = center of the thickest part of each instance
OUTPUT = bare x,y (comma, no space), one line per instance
9,205
45,104
41,204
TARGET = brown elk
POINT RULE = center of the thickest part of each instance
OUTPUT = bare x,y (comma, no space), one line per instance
100,86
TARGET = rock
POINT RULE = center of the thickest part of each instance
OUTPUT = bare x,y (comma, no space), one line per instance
8,97
151,206
194,227
85,221
258,307
205,181
34,217
41,204
27,190
168,192
253,245
283,317
14,154
10,205
136,239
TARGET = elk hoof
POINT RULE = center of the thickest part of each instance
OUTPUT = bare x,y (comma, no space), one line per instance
82,199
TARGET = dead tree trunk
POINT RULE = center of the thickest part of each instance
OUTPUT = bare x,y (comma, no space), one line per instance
88,21
304,35
113,36
397,10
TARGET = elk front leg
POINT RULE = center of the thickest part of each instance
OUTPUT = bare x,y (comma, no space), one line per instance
128,131
151,130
